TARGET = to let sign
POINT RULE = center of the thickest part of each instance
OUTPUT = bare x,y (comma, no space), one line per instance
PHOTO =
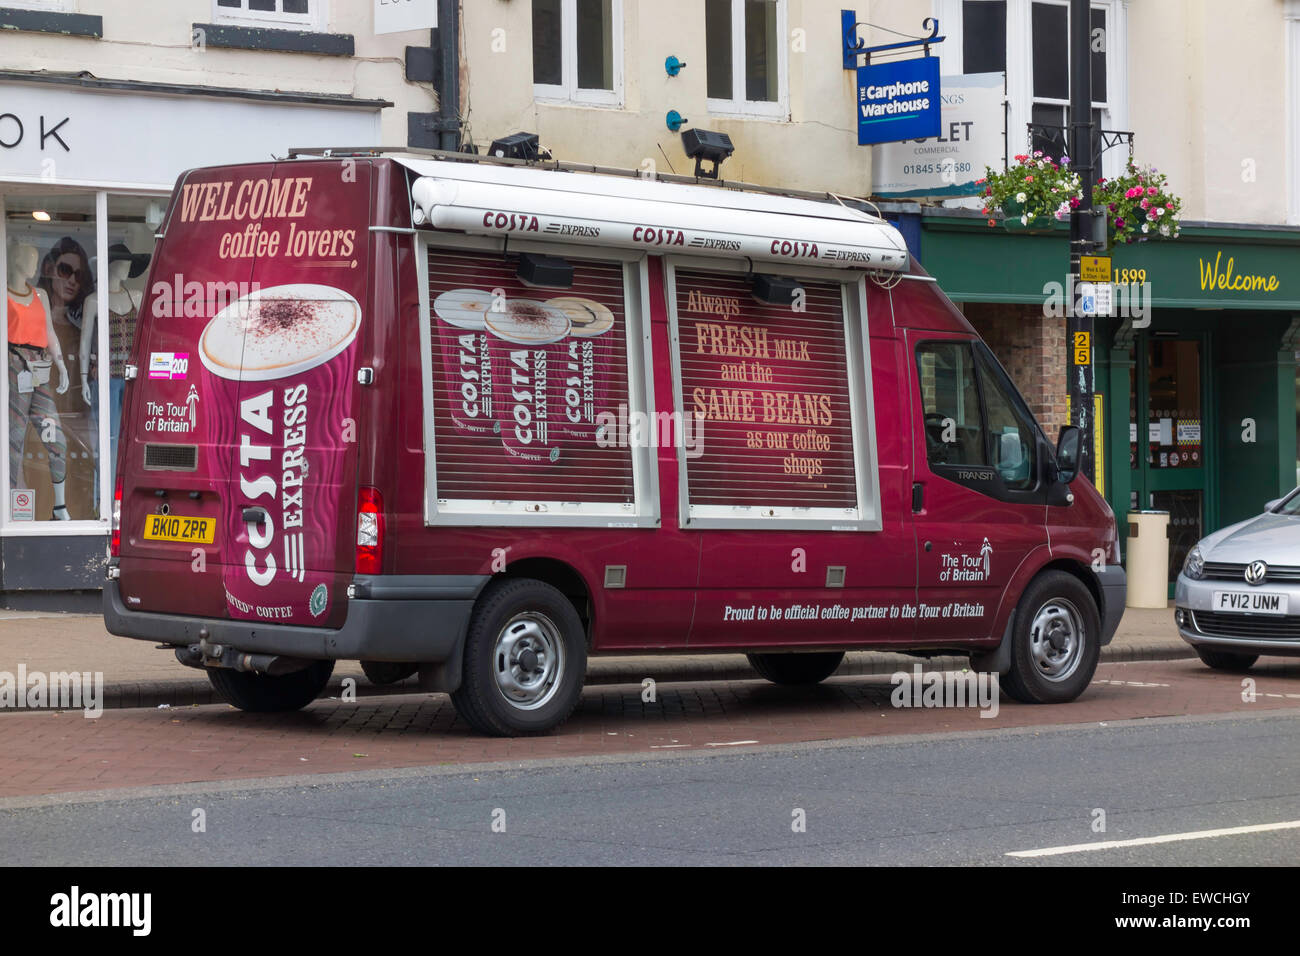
898,101
397,16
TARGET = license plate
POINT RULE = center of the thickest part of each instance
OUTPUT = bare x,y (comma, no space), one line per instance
1250,602
180,528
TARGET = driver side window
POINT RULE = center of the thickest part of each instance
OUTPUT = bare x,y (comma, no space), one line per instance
954,433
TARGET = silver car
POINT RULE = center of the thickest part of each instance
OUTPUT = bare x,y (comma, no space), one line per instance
1238,595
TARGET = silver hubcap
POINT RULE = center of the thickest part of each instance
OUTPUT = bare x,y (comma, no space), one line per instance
528,660
1056,639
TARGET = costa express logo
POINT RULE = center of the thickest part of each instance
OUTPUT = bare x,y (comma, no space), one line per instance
257,415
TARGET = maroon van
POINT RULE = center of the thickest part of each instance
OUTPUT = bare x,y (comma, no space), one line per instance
480,421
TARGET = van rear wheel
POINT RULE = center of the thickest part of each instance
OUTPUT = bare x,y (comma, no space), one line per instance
1055,641
525,660
263,694
794,669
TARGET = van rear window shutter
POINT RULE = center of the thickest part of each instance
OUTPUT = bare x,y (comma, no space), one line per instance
772,385
520,376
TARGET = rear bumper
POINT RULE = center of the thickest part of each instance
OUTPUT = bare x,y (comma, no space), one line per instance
402,618
1114,595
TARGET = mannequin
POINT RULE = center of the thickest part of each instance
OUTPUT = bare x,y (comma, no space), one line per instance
66,277
32,347
123,308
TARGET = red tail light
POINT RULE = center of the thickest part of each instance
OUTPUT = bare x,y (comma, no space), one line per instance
370,531
116,547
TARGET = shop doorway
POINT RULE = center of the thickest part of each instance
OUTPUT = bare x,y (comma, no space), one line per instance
1167,435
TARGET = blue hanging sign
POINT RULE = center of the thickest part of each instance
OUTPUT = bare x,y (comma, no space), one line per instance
898,101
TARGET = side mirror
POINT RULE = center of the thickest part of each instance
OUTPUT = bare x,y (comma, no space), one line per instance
1068,448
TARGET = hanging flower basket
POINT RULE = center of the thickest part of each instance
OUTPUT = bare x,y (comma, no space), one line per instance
1033,195
1139,206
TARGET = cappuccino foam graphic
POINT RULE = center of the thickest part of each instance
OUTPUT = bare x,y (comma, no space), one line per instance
279,331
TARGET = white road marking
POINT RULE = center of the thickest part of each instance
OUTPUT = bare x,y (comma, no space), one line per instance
1167,838
1129,683
731,743
667,746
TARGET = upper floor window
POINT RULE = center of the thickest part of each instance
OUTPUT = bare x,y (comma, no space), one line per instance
578,51
1029,40
294,14
745,49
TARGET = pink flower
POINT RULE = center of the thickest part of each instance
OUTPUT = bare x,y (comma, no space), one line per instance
1020,158
988,191
992,223
1144,203
1119,223
1074,203
1029,179
1169,205
1151,190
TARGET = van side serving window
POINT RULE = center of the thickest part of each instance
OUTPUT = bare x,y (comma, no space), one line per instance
767,390
523,382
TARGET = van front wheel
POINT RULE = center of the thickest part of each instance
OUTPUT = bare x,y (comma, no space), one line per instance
263,694
525,660
1055,641
794,669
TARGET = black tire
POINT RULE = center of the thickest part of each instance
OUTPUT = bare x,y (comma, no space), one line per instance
1041,672
794,669
512,614
260,694
386,672
1226,660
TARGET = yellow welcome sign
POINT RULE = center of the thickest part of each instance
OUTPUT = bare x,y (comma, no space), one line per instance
1218,277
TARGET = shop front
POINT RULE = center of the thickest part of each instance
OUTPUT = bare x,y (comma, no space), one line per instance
85,172
1195,372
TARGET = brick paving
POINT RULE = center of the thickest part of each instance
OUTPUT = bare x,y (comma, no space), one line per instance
45,752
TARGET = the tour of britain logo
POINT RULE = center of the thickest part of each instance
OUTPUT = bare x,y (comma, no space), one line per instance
318,598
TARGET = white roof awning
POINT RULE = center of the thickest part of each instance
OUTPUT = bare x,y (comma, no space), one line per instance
610,211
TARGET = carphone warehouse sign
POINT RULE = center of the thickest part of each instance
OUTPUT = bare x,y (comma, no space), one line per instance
898,101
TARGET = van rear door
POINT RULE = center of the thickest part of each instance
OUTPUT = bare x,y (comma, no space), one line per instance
270,263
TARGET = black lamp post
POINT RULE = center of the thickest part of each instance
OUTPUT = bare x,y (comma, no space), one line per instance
1080,328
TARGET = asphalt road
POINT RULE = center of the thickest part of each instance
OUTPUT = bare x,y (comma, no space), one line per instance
953,799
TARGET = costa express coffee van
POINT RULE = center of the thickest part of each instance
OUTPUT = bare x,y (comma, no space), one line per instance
482,421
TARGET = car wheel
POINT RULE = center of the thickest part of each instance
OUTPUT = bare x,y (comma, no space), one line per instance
386,672
525,660
792,669
262,693
1226,660
1055,641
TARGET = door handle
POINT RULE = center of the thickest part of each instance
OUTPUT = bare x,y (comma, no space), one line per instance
918,497
255,515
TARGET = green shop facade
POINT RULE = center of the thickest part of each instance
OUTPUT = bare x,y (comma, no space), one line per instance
1195,374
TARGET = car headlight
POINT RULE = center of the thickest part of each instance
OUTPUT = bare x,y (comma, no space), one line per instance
1194,564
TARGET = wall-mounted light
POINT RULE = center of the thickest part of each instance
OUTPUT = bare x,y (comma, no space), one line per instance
704,145
40,215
